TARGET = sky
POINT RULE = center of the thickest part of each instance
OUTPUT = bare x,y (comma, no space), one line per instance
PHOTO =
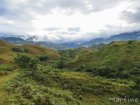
69,20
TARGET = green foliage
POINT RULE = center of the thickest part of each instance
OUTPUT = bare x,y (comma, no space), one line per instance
43,58
42,89
22,61
53,87
115,60
26,62
19,49
60,63
83,76
6,67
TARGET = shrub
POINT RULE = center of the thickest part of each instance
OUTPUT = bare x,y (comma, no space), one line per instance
19,49
26,62
43,58
22,61
130,42
60,63
102,71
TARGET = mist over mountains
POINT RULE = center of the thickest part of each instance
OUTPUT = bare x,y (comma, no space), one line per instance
15,39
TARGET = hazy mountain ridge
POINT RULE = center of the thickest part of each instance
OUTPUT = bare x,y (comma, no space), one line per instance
119,37
66,45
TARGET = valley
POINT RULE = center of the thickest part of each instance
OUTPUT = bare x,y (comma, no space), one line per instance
36,75
69,52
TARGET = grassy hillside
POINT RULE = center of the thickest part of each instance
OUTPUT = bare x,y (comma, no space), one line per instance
83,76
117,60
50,86
123,55
3,80
5,44
38,50
7,53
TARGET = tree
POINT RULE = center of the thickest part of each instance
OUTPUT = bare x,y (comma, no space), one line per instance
19,49
26,62
33,65
43,58
60,63
22,61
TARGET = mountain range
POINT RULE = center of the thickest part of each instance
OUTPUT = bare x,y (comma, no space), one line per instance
31,40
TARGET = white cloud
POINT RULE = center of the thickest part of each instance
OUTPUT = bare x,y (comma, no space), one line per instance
68,20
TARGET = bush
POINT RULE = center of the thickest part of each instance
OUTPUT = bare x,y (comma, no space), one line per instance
130,42
22,61
102,71
60,63
18,49
26,62
43,58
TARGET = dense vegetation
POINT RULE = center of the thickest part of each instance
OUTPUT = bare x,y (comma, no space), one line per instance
83,76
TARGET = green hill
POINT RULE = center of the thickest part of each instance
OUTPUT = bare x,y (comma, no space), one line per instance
82,76
38,50
115,54
9,51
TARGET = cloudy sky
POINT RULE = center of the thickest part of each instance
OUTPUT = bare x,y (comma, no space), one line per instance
69,20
